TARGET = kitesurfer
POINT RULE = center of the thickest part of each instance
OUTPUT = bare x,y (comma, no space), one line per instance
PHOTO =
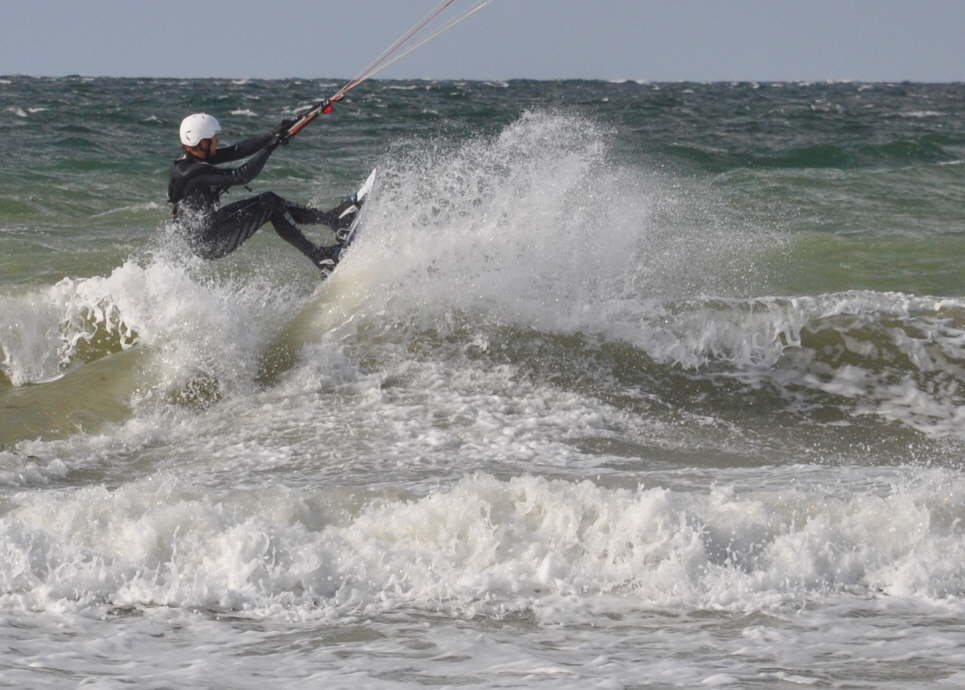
197,185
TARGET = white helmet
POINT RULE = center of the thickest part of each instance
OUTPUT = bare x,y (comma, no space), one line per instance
198,126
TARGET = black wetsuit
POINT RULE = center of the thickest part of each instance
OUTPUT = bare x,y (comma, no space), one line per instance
214,231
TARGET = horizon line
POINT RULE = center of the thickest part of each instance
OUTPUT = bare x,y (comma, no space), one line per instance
612,80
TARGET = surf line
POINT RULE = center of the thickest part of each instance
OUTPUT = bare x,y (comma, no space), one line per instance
411,40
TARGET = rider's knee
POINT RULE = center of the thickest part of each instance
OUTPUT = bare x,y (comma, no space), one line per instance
272,201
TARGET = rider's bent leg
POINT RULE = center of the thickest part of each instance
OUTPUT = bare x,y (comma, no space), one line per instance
233,224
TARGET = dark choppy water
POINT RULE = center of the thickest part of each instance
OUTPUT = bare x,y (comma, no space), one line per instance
624,385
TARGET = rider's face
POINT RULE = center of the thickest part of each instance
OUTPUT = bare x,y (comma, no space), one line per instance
211,147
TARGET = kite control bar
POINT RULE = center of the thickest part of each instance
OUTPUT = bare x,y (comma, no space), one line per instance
320,108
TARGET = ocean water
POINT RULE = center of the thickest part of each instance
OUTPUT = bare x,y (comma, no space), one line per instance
624,385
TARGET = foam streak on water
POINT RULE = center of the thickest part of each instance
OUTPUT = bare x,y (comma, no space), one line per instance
527,554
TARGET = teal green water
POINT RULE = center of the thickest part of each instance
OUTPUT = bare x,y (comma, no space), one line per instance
865,180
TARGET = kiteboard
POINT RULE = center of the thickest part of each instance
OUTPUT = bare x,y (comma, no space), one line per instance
345,236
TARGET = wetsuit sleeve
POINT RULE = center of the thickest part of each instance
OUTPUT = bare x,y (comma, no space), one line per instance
218,177
242,149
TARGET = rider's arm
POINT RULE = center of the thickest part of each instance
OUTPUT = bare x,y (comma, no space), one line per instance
227,177
242,149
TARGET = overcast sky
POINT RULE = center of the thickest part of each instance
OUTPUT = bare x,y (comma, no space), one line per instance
666,40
